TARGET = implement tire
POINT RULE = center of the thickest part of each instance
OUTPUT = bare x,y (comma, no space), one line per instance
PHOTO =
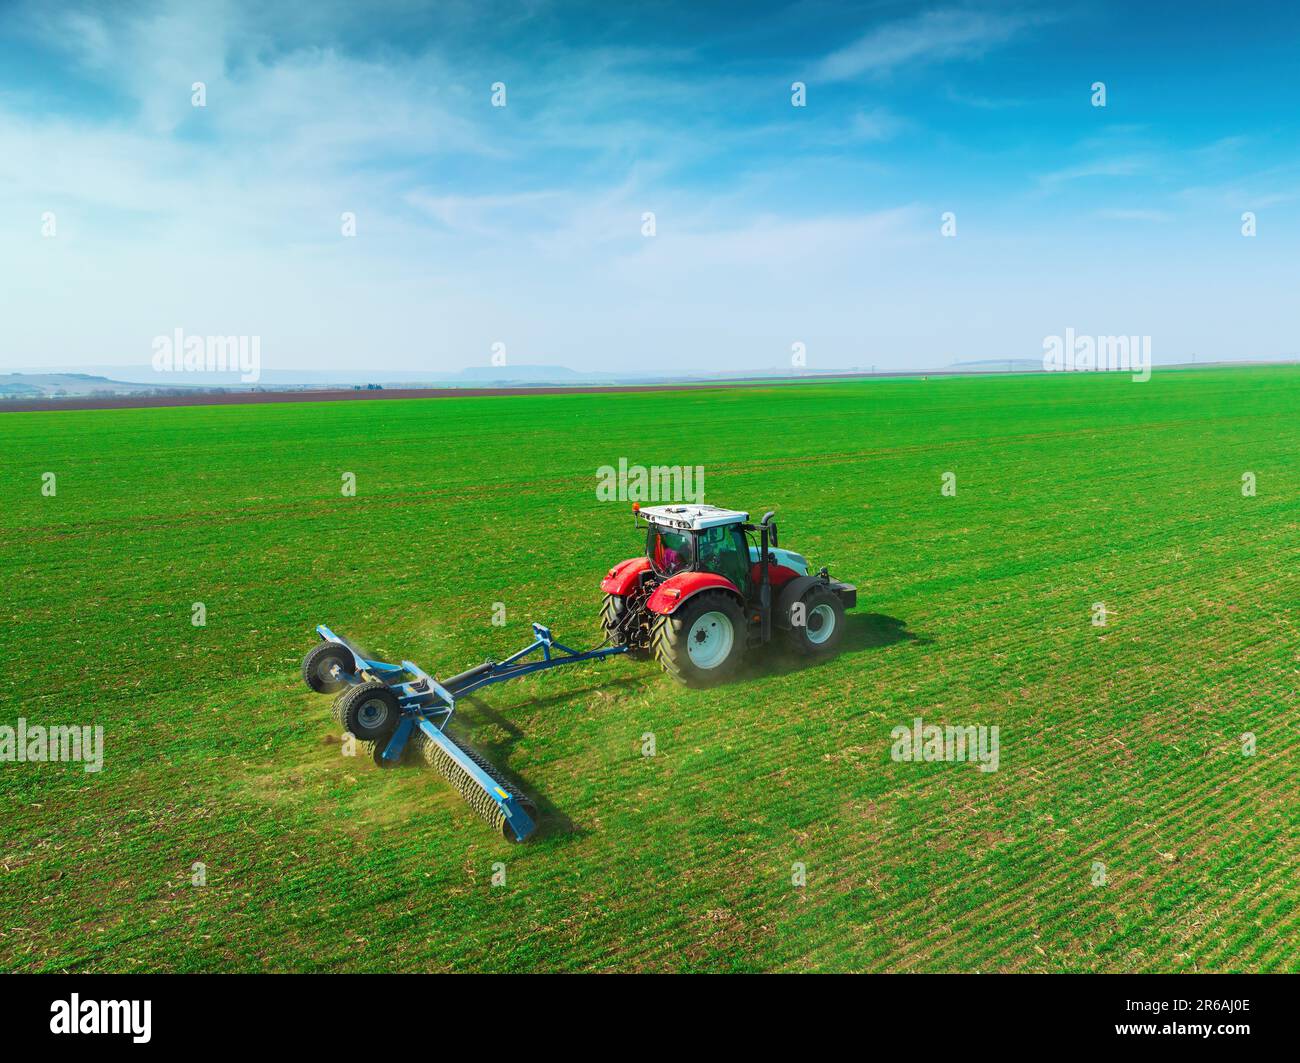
316,667
370,712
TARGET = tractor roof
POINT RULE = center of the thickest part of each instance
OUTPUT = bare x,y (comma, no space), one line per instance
692,516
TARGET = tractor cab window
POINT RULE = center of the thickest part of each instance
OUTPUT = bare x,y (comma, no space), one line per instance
723,551
671,552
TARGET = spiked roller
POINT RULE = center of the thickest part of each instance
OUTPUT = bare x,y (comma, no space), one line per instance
503,805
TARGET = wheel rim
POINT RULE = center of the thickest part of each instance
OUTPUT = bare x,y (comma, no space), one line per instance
372,714
710,639
821,624
325,669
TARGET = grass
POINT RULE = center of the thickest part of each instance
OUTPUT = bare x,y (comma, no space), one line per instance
1119,745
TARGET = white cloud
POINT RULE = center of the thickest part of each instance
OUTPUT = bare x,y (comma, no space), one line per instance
879,123
932,36
1116,166
1132,214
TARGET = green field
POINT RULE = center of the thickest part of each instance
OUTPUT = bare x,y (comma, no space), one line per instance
1120,745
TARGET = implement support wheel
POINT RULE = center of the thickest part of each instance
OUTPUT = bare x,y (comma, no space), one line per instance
369,711
318,665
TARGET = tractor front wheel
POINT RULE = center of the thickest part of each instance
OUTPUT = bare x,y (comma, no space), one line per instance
822,624
703,642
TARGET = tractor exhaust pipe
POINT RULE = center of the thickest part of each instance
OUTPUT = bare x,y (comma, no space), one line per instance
766,527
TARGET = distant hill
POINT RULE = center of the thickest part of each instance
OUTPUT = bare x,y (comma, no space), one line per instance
480,375
998,365
60,385
145,378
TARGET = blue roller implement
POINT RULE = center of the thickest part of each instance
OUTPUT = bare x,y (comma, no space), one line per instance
394,708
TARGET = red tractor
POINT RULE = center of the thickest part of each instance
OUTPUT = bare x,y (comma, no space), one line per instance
705,591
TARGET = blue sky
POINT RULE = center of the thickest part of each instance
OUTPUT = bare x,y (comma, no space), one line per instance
522,225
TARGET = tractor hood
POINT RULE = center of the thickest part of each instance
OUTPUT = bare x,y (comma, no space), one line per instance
788,558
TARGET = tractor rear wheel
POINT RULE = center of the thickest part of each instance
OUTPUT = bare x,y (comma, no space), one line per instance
613,611
703,642
822,629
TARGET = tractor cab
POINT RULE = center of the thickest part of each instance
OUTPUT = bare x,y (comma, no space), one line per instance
722,541
698,538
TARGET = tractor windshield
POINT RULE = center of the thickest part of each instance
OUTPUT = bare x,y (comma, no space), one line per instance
670,552
723,550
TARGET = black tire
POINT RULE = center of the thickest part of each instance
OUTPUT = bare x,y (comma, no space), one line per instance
336,710
672,635
369,712
612,611
821,607
375,751
318,662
